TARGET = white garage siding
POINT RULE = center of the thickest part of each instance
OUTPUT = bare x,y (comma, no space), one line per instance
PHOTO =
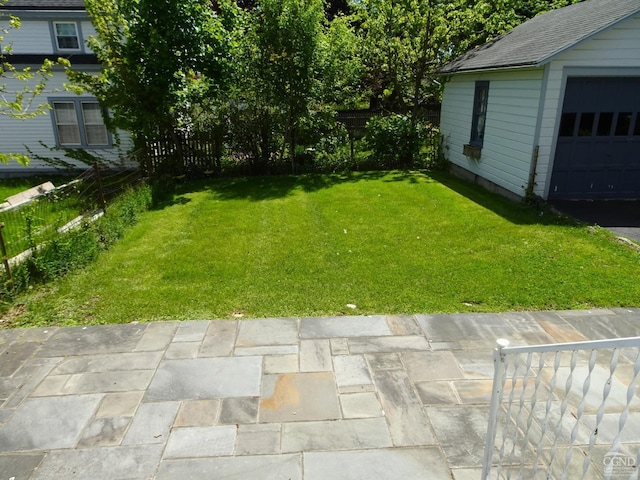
614,52
512,116
15,134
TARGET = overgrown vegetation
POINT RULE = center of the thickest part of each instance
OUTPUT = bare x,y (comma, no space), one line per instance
78,247
308,245
262,80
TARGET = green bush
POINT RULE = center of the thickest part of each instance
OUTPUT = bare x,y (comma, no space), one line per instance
79,247
395,141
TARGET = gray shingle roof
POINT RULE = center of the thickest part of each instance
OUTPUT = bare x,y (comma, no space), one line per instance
536,41
44,5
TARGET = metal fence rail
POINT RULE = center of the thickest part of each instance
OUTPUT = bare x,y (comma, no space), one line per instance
568,410
41,217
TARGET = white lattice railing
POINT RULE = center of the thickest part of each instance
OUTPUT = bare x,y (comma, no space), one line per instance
569,410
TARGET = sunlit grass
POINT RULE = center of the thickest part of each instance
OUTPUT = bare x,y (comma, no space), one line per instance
303,246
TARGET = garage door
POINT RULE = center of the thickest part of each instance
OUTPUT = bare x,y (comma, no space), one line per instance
598,148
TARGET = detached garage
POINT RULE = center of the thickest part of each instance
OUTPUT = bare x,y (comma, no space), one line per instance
551,108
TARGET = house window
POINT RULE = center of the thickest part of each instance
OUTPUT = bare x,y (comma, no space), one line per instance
79,123
480,100
66,36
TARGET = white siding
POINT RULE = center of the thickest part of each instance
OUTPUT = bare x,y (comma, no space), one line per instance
33,37
87,31
512,114
15,134
613,52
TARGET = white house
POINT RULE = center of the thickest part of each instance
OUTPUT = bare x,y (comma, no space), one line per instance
52,29
552,107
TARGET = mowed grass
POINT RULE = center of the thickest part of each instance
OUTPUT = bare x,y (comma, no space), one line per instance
388,243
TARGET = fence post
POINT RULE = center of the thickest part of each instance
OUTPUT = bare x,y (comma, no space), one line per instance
103,204
496,399
5,259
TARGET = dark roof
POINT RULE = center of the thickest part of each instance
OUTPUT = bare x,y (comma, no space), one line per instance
536,41
44,5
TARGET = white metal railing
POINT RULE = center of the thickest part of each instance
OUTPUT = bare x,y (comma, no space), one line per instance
559,418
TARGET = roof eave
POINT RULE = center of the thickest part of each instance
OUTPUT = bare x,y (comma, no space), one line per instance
586,38
548,58
492,68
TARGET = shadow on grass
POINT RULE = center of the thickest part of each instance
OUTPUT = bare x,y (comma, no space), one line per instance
275,187
514,212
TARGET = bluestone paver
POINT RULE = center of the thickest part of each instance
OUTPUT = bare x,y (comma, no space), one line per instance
202,378
315,356
258,439
360,405
198,413
264,467
152,423
104,432
123,404
335,435
387,464
403,410
388,344
109,463
239,410
299,396
191,331
189,442
376,397
19,466
48,423
267,332
334,327
351,370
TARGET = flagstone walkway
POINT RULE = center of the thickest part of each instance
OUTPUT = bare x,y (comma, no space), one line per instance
370,397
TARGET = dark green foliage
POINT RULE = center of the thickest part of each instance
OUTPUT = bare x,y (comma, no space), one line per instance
79,247
395,141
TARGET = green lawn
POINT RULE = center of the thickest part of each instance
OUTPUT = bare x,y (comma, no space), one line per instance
11,186
304,246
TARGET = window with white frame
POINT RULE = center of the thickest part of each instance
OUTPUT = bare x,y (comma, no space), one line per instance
67,36
79,123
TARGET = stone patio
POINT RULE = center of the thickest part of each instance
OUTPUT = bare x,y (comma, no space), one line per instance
375,397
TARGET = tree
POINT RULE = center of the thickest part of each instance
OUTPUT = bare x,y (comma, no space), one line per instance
160,58
279,63
405,41
21,102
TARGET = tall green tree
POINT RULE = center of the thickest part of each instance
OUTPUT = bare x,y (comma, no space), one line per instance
405,41
284,38
160,58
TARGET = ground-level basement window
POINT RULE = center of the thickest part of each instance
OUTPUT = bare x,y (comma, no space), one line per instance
79,123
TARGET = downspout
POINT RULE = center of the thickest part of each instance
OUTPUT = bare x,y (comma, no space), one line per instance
532,175
531,184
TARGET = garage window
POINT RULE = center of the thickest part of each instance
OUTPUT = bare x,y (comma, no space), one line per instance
636,131
567,122
605,121
623,124
586,124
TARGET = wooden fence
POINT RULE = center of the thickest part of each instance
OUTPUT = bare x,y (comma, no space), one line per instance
194,155
356,120
191,155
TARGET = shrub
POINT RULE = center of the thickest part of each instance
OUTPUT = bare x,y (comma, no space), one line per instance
79,247
395,141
